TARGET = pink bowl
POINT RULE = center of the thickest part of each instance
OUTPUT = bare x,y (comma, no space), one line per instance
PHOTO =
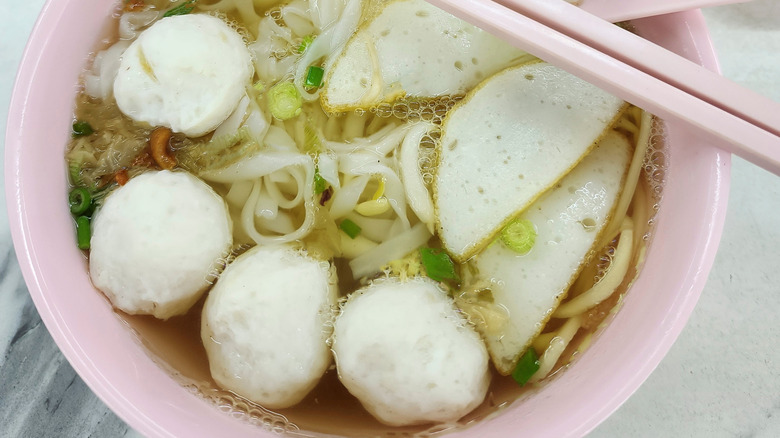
105,354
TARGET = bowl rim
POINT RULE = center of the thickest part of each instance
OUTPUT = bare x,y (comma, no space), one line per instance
128,405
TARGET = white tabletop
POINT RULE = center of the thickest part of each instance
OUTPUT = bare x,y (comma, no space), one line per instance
721,378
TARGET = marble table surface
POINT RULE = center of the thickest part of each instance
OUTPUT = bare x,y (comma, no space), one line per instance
720,379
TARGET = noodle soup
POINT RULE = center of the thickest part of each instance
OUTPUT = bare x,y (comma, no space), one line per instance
334,184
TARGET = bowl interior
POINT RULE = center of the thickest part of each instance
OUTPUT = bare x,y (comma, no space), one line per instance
106,355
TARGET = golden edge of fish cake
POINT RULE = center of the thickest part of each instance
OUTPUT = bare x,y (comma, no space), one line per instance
371,16
399,93
475,248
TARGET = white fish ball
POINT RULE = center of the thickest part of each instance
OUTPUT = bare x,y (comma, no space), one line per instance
186,72
266,323
156,241
406,353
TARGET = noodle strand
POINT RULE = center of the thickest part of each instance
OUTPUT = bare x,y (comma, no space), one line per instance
556,348
609,283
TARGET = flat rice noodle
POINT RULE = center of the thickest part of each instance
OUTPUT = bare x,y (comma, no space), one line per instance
261,164
396,248
409,169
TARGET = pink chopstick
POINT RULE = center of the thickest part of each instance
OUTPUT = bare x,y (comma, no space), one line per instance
622,10
728,115
651,59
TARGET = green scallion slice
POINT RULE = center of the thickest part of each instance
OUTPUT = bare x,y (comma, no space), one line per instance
82,128
182,9
519,236
284,101
79,200
307,40
83,232
74,170
314,77
438,264
311,141
350,228
320,184
526,367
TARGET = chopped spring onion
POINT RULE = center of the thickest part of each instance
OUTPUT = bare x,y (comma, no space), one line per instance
284,100
314,77
526,367
350,228
259,86
79,200
82,128
307,40
83,232
438,264
519,236
182,9
320,184
74,170
311,141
